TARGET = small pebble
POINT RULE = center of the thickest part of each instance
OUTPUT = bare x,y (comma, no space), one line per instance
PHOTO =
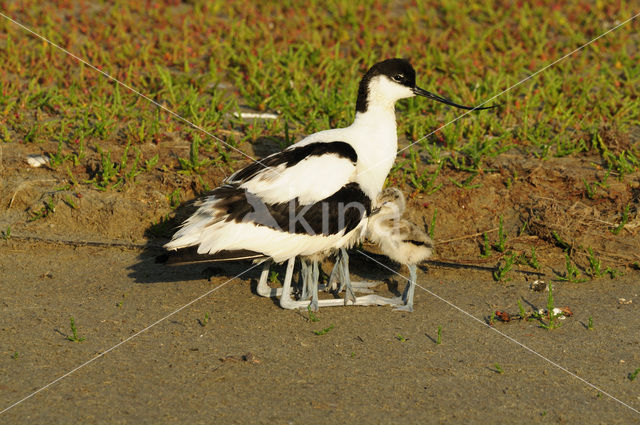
538,286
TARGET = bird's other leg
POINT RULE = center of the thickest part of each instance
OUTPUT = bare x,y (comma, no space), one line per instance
305,275
349,295
332,285
409,290
336,275
263,289
285,299
313,286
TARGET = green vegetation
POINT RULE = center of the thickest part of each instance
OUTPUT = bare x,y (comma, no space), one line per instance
48,208
501,271
312,315
572,274
432,227
486,247
549,320
533,260
273,278
623,221
271,56
324,331
595,266
500,245
203,322
74,332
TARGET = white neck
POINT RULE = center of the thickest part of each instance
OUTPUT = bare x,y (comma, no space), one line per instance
376,143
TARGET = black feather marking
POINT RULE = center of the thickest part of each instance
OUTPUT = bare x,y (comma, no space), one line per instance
418,243
400,70
292,156
345,209
190,255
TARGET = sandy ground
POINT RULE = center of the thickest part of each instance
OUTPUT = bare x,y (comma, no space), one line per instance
252,362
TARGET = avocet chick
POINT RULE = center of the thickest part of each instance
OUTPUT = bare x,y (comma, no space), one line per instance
399,239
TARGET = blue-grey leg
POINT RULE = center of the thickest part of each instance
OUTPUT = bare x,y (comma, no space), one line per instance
313,286
409,290
335,274
288,303
285,299
315,274
345,283
342,272
263,289
305,274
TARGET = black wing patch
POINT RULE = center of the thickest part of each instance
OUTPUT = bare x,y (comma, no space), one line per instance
291,157
345,209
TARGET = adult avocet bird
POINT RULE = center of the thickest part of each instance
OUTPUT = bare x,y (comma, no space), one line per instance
313,197
398,238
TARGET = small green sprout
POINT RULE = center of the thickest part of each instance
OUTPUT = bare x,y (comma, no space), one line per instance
573,273
312,315
432,227
623,222
533,261
486,249
204,321
633,375
439,338
401,338
590,323
551,316
523,314
74,331
500,246
324,331
500,273
273,278
498,368
174,198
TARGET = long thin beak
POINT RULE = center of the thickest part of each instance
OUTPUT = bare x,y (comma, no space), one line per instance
422,92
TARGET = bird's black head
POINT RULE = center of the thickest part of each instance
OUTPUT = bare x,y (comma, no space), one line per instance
397,70
403,76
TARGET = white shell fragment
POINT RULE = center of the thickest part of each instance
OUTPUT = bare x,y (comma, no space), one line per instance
624,301
37,160
249,115
559,313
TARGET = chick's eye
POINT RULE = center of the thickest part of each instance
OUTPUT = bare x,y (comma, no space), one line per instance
398,77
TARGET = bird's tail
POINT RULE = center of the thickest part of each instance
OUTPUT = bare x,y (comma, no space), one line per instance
189,255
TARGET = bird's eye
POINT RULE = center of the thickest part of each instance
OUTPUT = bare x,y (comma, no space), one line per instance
398,77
